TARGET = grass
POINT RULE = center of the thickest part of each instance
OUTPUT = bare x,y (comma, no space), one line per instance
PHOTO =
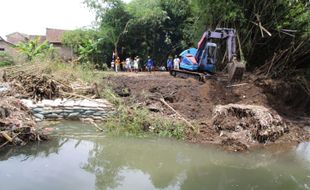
5,59
67,71
138,121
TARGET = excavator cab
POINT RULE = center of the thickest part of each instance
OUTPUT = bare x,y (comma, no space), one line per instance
199,63
207,63
208,59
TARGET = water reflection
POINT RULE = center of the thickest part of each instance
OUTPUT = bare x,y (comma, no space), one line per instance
97,162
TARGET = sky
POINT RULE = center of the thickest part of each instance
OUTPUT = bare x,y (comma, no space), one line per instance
34,16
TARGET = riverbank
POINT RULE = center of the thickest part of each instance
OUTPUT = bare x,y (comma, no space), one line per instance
237,117
256,113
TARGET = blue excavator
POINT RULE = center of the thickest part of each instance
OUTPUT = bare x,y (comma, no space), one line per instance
200,62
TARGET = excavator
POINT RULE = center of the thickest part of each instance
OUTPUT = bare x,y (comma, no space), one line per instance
200,62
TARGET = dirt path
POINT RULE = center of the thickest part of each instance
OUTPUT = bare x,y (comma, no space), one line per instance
196,101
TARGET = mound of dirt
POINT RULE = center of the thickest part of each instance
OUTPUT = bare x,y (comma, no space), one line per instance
249,123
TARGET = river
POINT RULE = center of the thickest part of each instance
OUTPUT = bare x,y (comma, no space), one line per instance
79,158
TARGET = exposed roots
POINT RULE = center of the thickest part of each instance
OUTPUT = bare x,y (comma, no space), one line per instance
249,123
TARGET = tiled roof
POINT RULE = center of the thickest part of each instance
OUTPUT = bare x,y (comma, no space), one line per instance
54,35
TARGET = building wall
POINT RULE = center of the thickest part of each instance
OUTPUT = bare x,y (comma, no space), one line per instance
64,52
10,50
6,47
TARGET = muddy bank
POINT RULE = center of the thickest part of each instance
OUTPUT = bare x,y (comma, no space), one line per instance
197,102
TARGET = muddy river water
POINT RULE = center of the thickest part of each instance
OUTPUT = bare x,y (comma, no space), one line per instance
78,158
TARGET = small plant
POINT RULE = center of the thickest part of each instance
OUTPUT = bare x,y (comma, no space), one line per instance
33,48
5,59
105,67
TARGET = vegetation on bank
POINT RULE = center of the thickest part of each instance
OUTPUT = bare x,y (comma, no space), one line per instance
134,120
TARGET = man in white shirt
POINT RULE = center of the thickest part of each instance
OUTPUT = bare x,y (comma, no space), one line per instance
176,62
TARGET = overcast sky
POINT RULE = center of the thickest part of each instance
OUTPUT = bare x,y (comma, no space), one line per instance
34,16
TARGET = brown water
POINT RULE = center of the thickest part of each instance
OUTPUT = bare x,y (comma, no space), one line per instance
79,158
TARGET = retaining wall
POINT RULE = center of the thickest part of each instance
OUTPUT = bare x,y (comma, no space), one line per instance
59,109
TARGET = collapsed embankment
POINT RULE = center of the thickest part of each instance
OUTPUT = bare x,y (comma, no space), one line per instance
235,116
35,92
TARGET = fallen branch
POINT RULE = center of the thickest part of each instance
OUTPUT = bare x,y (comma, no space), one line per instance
234,85
177,113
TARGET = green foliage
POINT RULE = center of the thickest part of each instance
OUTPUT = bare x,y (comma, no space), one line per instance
136,121
33,48
156,28
159,28
5,59
245,16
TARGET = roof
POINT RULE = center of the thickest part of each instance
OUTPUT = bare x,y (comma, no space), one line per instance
41,40
54,35
21,34
2,39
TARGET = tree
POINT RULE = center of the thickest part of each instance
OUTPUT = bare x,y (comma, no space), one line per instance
113,20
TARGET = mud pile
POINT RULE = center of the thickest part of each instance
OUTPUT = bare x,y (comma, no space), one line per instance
249,123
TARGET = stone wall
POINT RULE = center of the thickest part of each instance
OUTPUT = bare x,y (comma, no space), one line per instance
59,109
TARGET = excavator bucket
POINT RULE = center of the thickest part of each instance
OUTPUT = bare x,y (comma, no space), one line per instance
235,71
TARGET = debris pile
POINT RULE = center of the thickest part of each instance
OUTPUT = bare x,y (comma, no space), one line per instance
248,123
37,87
17,125
38,83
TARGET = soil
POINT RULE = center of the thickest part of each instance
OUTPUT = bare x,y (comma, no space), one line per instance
196,101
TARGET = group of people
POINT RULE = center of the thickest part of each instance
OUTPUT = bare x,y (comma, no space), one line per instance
128,65
133,65
173,63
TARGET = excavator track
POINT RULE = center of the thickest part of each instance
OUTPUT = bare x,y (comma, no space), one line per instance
188,74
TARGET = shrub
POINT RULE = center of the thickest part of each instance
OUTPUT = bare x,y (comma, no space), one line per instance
5,59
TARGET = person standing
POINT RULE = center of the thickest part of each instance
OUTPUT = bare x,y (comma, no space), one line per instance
136,64
113,65
176,62
117,64
149,64
169,63
128,66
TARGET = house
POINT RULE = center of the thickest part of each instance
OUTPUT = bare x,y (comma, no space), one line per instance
7,47
54,36
17,37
